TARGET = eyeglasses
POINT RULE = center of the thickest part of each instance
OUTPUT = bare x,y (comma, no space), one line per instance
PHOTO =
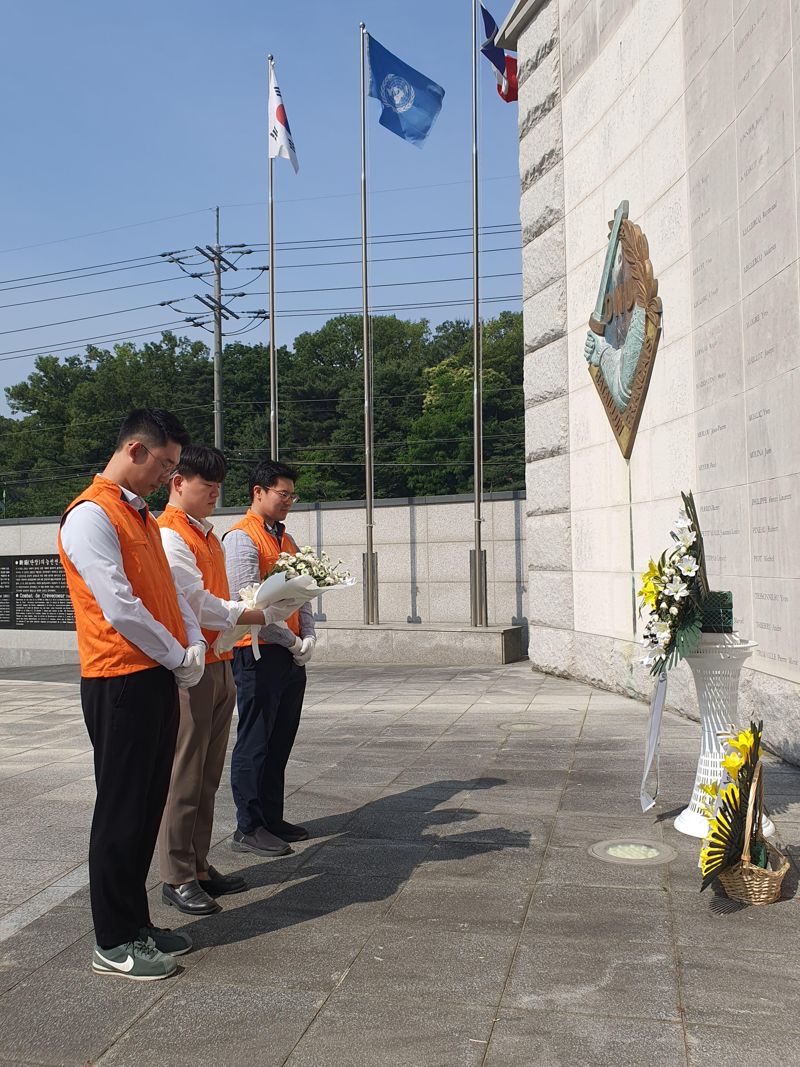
286,497
167,466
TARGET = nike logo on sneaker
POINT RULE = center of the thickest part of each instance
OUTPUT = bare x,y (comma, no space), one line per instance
128,965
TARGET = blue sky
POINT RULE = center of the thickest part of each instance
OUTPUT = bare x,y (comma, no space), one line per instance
125,124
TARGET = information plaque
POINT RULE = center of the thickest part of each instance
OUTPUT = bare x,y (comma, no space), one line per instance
33,594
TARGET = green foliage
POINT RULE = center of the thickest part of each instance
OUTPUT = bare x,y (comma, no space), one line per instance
68,410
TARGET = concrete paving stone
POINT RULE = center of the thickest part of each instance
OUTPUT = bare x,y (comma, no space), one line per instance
712,917
323,890
64,1017
205,1026
378,857
461,903
624,802
597,979
709,1046
455,966
289,950
517,858
546,1039
755,989
41,940
371,1031
574,866
511,797
602,913
573,829
9,977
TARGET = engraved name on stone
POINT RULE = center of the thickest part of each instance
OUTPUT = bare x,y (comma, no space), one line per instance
712,186
768,229
770,326
760,38
764,135
718,358
715,264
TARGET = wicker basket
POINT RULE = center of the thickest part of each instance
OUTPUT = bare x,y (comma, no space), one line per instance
744,882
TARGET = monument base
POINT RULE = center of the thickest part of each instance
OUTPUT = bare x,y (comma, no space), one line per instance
428,644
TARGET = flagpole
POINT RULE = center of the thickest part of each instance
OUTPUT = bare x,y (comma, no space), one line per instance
273,357
370,562
478,563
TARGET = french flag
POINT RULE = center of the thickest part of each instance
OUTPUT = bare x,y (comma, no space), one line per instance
505,67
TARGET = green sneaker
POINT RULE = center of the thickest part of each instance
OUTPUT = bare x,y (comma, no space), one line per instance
138,960
170,942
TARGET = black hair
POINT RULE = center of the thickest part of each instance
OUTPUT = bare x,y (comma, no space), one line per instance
267,472
152,426
202,461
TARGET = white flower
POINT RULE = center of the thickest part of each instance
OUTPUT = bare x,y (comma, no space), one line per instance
676,589
687,565
683,522
673,610
687,538
663,634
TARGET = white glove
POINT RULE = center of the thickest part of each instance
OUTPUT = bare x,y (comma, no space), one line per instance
191,670
297,646
302,657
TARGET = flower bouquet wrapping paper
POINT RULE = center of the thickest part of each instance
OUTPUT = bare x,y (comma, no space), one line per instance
293,581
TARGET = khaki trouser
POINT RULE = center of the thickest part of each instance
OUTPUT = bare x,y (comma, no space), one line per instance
205,718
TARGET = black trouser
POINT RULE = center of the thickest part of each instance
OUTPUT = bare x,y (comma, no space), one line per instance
133,722
269,696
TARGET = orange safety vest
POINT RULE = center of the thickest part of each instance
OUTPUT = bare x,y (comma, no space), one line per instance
103,651
268,552
210,560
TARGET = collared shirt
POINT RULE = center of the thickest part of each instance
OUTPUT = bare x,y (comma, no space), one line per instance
90,541
241,563
212,612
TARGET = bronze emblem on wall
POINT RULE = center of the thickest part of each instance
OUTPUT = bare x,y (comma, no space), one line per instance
624,328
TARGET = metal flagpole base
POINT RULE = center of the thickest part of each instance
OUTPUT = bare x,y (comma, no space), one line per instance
479,612
369,564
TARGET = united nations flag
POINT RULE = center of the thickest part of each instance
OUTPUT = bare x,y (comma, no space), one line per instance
411,101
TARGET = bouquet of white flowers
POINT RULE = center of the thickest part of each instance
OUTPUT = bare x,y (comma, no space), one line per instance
292,581
324,572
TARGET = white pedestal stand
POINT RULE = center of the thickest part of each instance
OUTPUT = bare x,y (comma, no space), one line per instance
716,665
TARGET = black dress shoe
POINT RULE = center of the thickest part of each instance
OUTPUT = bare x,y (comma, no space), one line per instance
261,841
190,898
287,831
217,885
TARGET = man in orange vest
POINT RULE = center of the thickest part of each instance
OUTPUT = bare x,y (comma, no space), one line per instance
137,636
270,689
197,562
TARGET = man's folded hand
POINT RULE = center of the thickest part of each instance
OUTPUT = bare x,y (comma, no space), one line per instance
191,670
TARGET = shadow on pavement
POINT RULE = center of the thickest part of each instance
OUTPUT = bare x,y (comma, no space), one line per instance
355,868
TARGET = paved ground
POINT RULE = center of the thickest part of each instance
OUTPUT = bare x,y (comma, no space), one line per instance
445,913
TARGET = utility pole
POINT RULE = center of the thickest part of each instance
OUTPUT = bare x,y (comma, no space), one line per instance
217,306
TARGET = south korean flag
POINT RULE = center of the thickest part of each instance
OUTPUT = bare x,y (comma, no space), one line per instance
281,142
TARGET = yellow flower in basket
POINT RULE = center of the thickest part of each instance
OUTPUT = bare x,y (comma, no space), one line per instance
733,763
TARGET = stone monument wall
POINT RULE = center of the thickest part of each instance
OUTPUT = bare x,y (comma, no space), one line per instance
690,110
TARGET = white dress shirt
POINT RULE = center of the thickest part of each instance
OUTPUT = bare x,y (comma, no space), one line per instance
212,612
90,541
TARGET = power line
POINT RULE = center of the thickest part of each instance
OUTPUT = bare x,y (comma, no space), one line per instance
82,318
65,346
323,242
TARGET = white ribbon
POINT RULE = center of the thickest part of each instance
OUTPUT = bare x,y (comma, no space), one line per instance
653,734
